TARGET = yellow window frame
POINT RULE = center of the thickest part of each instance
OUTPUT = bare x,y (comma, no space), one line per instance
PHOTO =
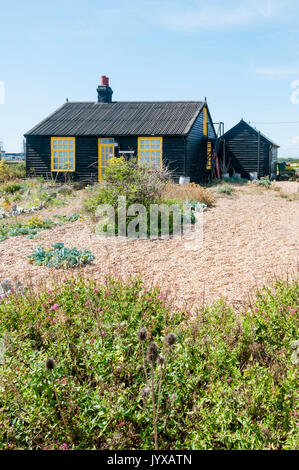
205,121
106,146
63,150
153,146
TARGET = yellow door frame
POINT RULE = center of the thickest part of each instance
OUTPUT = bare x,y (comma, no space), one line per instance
105,150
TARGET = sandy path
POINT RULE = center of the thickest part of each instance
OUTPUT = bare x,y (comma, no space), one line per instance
248,238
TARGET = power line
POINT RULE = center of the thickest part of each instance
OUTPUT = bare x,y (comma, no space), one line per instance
274,122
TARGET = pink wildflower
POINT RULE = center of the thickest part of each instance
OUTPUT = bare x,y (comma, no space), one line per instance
96,290
64,446
92,341
50,291
54,307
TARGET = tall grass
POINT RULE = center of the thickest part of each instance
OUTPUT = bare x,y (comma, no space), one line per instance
190,191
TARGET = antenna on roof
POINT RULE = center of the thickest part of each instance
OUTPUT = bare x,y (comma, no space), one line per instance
205,99
67,100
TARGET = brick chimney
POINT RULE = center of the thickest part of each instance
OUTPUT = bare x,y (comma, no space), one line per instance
104,91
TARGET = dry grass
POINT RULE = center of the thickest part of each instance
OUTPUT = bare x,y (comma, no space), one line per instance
190,191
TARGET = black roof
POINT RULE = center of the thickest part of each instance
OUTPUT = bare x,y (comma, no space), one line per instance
120,118
243,123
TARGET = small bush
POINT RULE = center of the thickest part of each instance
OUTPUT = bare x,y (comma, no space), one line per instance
60,256
126,178
31,228
264,183
226,189
11,187
9,172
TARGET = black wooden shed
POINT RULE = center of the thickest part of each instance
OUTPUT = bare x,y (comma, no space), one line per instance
79,138
247,151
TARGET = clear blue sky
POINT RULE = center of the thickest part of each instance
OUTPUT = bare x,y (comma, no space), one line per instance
243,55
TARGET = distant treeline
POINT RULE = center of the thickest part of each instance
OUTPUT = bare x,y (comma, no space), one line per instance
290,160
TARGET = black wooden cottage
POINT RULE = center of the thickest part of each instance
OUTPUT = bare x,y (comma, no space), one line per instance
247,151
79,138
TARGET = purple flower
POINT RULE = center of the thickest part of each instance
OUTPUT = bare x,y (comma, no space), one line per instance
54,307
96,290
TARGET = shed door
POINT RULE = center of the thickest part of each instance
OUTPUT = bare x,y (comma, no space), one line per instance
106,152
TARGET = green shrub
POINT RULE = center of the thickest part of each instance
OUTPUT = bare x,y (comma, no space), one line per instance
11,187
10,172
60,257
226,189
139,185
31,228
265,183
126,178
230,384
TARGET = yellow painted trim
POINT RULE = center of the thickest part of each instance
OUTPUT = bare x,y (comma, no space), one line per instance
209,156
63,170
205,121
142,144
100,147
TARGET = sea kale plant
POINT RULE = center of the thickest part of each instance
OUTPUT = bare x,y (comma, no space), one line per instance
60,256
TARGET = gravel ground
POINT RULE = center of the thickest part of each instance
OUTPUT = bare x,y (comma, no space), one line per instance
249,239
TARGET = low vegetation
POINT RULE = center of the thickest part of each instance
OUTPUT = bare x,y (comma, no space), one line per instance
32,226
225,189
80,371
60,256
11,172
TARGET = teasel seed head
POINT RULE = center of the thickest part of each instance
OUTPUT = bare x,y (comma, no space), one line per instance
161,360
170,339
142,334
152,352
50,364
145,391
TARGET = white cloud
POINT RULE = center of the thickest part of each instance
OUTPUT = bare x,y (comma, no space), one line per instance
295,140
217,15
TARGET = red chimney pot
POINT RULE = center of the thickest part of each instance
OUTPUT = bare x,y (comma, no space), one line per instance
104,80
